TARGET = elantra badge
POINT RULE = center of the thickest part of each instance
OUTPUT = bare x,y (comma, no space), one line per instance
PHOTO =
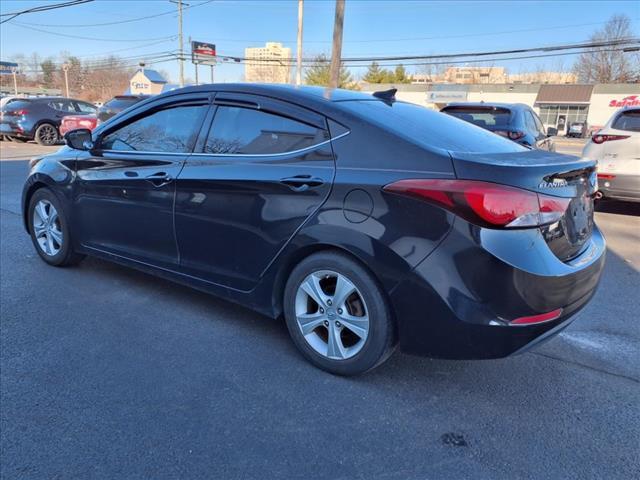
555,183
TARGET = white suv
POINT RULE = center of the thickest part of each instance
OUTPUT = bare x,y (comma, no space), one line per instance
617,148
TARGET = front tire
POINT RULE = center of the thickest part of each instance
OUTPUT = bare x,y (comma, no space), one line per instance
49,229
46,134
338,315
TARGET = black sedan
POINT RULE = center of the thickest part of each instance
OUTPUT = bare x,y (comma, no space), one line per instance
366,222
39,118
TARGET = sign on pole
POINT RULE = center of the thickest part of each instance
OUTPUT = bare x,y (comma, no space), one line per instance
204,53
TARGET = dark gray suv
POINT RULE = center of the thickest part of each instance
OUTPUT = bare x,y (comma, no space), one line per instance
38,118
515,121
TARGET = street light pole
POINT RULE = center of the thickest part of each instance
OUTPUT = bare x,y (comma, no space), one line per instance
65,68
334,77
299,59
14,72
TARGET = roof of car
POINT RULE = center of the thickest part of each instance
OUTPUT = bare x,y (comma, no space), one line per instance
316,93
487,104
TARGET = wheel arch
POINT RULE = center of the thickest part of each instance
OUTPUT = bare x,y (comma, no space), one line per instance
384,265
34,183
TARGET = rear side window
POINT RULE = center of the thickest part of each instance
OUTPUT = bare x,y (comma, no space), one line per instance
172,130
237,130
629,121
429,128
530,121
482,116
62,106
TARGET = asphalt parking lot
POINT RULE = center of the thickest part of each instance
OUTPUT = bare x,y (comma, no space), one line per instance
110,373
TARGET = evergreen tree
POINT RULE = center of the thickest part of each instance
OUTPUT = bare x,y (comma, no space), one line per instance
319,74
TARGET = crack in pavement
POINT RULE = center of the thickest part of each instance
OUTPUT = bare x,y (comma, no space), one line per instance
588,367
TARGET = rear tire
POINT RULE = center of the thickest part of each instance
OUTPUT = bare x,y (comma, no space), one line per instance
338,315
49,229
46,134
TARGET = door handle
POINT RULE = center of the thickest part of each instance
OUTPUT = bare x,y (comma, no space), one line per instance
159,179
300,183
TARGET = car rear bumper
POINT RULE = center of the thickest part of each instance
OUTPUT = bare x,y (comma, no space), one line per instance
621,187
10,129
458,302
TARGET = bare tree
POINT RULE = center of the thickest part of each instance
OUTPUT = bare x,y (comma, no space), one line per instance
606,64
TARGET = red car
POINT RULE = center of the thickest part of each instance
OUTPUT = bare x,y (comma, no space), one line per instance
73,122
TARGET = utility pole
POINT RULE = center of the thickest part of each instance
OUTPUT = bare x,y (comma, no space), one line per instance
180,46
14,72
299,59
65,68
334,76
212,73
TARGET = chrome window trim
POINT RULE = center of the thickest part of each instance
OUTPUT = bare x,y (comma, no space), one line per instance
201,154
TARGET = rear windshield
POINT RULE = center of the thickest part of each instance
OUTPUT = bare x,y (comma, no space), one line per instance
16,104
121,103
430,128
629,121
485,117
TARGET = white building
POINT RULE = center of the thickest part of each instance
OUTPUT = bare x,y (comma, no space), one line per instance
556,105
268,64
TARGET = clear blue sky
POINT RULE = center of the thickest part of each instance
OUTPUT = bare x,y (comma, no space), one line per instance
371,28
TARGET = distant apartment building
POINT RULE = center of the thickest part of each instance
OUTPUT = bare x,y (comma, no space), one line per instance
268,64
475,75
544,77
492,75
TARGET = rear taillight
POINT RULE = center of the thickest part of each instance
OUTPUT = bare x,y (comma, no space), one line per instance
17,113
486,204
541,318
606,176
598,138
516,135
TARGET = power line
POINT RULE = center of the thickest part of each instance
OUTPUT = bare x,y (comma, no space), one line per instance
93,38
42,8
138,19
438,37
625,42
102,54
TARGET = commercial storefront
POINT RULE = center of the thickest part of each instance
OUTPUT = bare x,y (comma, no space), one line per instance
557,105
561,105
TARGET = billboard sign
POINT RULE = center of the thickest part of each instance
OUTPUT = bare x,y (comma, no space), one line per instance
7,68
202,52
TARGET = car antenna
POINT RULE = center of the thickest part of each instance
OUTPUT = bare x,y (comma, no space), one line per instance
386,95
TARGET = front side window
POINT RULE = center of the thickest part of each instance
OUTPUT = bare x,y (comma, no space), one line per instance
237,130
629,121
172,130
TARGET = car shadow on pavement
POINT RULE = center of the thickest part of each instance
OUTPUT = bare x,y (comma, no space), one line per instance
618,207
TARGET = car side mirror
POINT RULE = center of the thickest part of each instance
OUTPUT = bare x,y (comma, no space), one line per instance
79,139
552,132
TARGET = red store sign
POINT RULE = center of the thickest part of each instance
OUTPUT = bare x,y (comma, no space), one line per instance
630,101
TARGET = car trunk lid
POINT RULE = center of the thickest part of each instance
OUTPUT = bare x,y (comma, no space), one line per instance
549,174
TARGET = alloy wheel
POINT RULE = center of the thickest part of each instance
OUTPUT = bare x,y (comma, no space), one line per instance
46,228
47,135
332,315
